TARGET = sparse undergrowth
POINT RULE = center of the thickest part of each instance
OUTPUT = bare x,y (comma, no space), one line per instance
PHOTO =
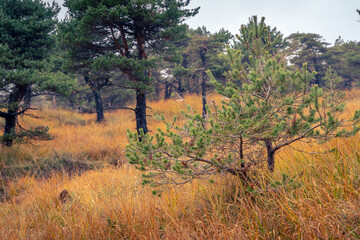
309,195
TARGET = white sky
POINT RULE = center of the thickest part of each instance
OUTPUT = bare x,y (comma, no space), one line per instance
329,18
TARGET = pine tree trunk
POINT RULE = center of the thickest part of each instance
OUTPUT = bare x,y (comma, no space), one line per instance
140,111
180,88
10,120
203,80
241,149
270,155
168,90
99,106
203,93
98,100
9,131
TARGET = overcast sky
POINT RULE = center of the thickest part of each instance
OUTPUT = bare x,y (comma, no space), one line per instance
329,18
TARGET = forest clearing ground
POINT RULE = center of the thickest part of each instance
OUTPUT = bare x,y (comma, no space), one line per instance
315,196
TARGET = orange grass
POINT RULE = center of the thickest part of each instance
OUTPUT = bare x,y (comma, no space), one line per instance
320,199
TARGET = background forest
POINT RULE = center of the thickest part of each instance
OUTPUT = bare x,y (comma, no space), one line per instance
122,122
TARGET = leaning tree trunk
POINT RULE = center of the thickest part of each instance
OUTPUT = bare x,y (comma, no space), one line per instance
99,106
11,117
140,111
270,155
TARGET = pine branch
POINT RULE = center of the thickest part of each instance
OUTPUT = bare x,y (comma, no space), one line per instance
296,139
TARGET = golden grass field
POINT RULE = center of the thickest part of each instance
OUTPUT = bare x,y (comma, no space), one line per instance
319,200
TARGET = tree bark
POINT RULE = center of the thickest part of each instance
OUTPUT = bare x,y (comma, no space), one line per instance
241,149
140,111
203,93
270,155
180,88
10,119
99,106
168,90
203,80
98,100
9,131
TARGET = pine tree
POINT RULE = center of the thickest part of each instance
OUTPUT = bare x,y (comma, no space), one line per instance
309,48
120,36
273,108
25,41
344,58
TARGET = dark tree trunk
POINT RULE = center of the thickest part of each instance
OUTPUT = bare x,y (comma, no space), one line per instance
203,93
241,149
95,88
203,80
140,111
270,155
10,119
9,131
99,106
168,90
180,88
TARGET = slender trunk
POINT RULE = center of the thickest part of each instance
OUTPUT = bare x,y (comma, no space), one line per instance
180,88
270,155
241,149
98,100
168,90
140,111
203,93
203,80
54,101
99,106
10,120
